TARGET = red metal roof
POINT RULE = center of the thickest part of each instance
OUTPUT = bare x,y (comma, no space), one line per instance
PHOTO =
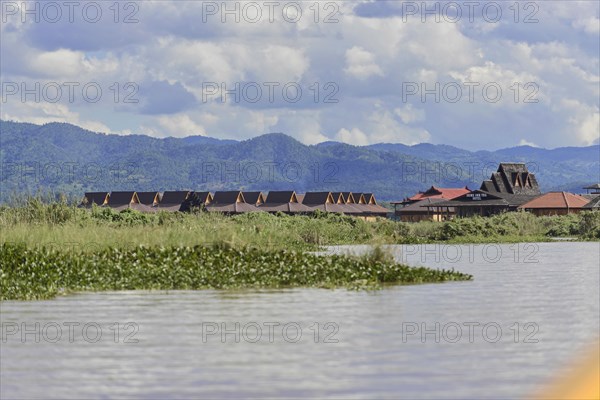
557,200
440,193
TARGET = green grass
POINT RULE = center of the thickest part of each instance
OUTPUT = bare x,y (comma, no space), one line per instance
29,274
48,249
62,226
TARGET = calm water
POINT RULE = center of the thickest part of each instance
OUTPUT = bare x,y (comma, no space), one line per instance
539,306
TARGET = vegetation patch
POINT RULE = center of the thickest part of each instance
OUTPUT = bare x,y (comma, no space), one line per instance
40,273
60,225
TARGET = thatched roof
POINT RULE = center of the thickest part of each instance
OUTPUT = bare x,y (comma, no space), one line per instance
98,198
275,197
313,198
201,198
234,202
348,197
175,201
338,197
254,197
283,201
359,198
172,198
228,197
372,210
349,209
148,198
136,207
117,199
288,208
370,198
231,208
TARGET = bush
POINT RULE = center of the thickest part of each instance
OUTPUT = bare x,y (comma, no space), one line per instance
589,225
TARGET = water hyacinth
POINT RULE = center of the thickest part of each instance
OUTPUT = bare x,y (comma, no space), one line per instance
38,273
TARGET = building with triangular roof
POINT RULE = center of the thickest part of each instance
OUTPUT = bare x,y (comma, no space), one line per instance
555,203
230,202
174,200
285,202
94,198
150,199
256,198
512,178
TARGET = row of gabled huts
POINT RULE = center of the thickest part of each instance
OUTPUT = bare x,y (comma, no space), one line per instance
362,205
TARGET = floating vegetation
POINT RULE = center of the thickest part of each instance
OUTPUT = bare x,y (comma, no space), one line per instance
40,273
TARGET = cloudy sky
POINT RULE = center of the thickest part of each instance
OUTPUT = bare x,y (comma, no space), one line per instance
482,75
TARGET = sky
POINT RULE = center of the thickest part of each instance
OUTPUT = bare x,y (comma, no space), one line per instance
476,75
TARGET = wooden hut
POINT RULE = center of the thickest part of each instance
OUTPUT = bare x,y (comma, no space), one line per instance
285,202
322,201
150,199
348,197
338,198
359,198
230,202
366,207
98,198
120,201
256,198
346,204
174,200
555,203
197,200
371,209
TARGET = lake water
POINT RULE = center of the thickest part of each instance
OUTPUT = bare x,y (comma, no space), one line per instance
529,310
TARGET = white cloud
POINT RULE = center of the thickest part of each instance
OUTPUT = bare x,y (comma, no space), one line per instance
180,125
368,58
408,114
589,25
43,113
524,142
584,121
361,64
353,136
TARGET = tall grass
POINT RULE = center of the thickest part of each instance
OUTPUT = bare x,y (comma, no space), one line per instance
62,225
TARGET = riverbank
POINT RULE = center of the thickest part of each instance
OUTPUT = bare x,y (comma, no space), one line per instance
62,226
51,249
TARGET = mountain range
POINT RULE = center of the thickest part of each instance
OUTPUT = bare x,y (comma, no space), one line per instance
64,158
